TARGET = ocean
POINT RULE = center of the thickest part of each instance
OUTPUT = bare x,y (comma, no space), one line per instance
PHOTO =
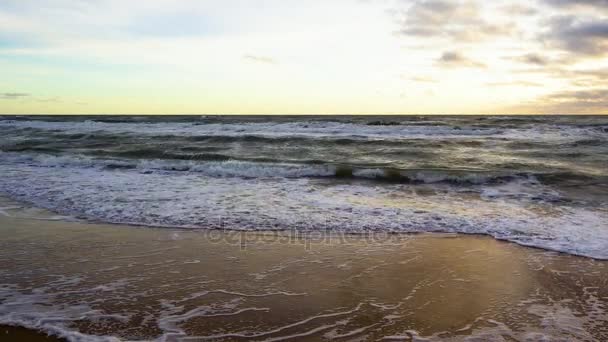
539,181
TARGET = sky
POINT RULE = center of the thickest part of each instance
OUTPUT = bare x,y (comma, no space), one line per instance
304,57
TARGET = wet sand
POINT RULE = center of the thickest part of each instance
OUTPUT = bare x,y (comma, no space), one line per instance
9,333
75,279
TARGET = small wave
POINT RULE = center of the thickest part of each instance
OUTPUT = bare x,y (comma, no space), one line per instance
236,197
588,142
35,311
217,165
153,153
317,129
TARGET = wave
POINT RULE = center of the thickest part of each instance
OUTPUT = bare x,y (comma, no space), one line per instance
266,129
350,132
218,165
108,141
521,210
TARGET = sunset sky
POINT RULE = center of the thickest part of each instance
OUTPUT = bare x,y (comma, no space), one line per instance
303,56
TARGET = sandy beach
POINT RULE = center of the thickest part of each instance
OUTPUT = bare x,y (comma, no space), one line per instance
272,170
81,280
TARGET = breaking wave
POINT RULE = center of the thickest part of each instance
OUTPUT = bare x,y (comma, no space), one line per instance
537,181
224,166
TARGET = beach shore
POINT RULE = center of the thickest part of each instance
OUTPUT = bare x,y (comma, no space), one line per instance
79,280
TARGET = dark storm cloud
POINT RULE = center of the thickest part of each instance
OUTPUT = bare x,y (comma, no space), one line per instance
588,36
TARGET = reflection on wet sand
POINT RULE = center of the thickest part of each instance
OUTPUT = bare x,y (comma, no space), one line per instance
140,283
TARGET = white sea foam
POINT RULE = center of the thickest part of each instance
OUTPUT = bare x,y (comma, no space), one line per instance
558,323
37,311
508,202
333,335
285,327
169,322
509,212
231,168
313,129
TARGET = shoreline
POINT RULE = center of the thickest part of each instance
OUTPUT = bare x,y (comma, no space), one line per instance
284,232
16,333
141,284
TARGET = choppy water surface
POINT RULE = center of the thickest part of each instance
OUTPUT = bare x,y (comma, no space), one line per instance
536,181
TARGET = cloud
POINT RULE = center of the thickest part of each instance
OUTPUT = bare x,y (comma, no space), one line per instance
583,101
595,76
260,59
594,101
586,95
50,99
517,9
601,74
573,3
588,78
421,79
518,47
514,84
533,58
455,20
588,36
13,96
455,59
